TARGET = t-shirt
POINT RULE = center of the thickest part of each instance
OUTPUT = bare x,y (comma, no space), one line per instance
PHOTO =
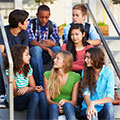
66,90
79,63
21,38
20,79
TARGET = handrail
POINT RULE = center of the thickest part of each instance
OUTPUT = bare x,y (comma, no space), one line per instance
11,108
111,16
104,43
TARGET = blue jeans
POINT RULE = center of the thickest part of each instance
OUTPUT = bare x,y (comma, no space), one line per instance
31,101
107,113
38,57
2,88
69,111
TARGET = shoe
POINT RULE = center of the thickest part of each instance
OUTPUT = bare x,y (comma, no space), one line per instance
2,101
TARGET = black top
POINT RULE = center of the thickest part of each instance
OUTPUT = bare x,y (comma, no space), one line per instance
21,38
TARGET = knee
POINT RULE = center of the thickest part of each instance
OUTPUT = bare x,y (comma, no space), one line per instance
36,50
109,108
56,49
35,97
42,96
54,107
68,106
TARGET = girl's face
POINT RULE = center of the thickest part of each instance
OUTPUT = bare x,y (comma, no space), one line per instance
88,59
26,56
76,36
58,61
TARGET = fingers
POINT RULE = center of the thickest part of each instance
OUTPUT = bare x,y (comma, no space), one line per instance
39,88
62,102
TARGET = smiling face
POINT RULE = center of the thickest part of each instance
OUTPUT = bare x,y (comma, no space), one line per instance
78,16
26,56
58,61
76,36
88,59
43,16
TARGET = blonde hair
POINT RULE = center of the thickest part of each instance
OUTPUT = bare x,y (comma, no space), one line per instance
54,84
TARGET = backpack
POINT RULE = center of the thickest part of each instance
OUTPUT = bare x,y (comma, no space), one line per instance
49,26
87,28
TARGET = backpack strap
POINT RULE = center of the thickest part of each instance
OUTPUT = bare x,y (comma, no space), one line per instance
87,28
50,28
34,25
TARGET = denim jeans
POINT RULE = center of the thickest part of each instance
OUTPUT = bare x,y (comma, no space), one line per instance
31,101
38,57
69,111
107,113
2,88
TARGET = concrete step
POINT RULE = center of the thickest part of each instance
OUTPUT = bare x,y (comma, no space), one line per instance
114,45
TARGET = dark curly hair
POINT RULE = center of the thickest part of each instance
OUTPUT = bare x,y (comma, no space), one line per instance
70,44
17,56
98,60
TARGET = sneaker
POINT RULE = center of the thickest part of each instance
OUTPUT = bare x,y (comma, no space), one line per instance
2,101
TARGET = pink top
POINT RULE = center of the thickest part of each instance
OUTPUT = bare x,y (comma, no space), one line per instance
79,63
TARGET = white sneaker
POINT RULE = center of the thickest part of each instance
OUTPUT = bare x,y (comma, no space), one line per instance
2,101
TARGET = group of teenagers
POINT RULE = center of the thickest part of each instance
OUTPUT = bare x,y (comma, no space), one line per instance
78,67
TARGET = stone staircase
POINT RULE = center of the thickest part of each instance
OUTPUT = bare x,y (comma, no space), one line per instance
114,46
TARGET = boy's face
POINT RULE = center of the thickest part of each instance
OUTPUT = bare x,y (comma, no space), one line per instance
43,17
24,25
78,17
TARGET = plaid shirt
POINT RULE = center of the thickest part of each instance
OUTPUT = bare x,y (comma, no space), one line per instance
42,35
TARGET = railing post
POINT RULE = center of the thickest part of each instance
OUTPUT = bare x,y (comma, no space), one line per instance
11,108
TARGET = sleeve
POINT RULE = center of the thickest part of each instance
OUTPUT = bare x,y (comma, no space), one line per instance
30,71
7,73
30,31
110,85
26,38
93,33
54,36
65,34
77,77
86,92
47,75
63,47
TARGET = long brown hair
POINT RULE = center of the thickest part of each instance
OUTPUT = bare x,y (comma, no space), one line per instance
17,56
98,60
54,84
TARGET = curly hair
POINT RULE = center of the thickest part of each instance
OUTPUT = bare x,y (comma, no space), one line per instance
54,84
97,60
17,56
70,44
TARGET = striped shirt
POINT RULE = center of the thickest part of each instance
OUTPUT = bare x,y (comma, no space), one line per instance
20,79
42,34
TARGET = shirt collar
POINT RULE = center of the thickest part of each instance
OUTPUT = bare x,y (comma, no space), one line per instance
102,70
38,23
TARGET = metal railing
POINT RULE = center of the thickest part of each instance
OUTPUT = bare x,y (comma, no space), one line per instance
116,26
117,70
11,108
